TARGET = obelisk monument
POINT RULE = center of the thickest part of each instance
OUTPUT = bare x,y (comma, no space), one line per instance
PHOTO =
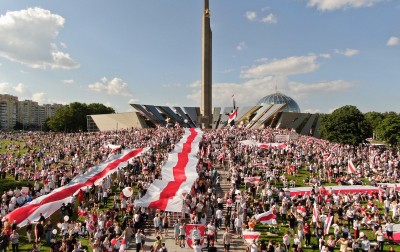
206,69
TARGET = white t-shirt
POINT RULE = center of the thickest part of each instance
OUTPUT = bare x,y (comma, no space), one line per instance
197,248
219,213
253,247
210,229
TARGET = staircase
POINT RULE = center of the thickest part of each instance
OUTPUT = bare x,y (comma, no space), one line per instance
236,243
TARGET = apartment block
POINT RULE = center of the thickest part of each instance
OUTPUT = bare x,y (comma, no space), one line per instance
29,113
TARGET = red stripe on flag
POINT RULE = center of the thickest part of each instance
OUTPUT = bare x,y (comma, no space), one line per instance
267,218
179,174
20,214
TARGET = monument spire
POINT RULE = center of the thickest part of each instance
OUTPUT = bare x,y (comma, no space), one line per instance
206,68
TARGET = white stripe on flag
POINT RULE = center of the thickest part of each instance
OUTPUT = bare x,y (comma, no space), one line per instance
166,194
48,204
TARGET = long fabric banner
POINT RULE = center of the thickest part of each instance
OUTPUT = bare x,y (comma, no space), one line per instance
48,204
178,175
250,236
339,189
264,145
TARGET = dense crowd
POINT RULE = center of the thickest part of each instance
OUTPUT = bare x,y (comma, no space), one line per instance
110,221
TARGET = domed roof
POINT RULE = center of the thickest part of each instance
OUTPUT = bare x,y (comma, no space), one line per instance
279,98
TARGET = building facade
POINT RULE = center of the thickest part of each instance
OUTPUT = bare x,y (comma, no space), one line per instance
29,114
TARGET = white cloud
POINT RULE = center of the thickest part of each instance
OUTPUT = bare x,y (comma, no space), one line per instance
195,84
108,104
241,46
348,52
245,93
325,55
41,98
115,86
29,37
19,90
312,111
287,66
325,86
133,100
68,81
270,19
251,15
330,5
330,111
393,41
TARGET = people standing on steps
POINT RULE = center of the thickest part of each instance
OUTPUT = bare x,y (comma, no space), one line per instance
211,234
238,226
226,239
182,234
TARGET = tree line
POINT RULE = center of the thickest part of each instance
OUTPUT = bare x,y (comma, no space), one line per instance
72,118
348,125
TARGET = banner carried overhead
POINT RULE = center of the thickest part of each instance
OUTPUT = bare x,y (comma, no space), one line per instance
178,175
48,204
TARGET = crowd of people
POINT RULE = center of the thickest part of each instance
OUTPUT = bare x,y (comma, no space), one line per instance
109,220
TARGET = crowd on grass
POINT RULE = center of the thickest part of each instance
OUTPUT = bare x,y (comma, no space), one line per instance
108,220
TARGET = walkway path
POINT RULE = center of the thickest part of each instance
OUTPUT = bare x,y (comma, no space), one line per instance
236,244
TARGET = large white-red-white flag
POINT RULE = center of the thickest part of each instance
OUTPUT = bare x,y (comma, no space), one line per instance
266,218
195,232
327,224
272,145
232,116
315,213
249,236
50,203
178,175
252,180
351,169
302,210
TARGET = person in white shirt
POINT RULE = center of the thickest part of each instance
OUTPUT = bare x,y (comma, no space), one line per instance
389,230
254,246
218,215
157,223
197,247
238,226
210,234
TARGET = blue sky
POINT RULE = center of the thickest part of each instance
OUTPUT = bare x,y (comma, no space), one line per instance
323,53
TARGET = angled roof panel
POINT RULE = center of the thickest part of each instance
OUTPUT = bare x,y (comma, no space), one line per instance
155,112
193,113
146,113
184,116
306,129
216,117
171,113
259,114
268,114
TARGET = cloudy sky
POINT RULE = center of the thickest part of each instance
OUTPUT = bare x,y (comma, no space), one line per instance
323,53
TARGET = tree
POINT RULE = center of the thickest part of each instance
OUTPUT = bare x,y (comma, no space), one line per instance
346,125
73,116
98,108
389,129
374,118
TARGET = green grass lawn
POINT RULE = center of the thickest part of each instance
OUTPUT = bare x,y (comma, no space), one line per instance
268,233
279,230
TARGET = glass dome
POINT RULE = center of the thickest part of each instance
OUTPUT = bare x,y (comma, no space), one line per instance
279,98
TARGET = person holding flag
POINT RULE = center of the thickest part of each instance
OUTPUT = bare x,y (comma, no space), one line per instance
233,114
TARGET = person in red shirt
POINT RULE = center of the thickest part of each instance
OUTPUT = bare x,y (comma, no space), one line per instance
307,233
